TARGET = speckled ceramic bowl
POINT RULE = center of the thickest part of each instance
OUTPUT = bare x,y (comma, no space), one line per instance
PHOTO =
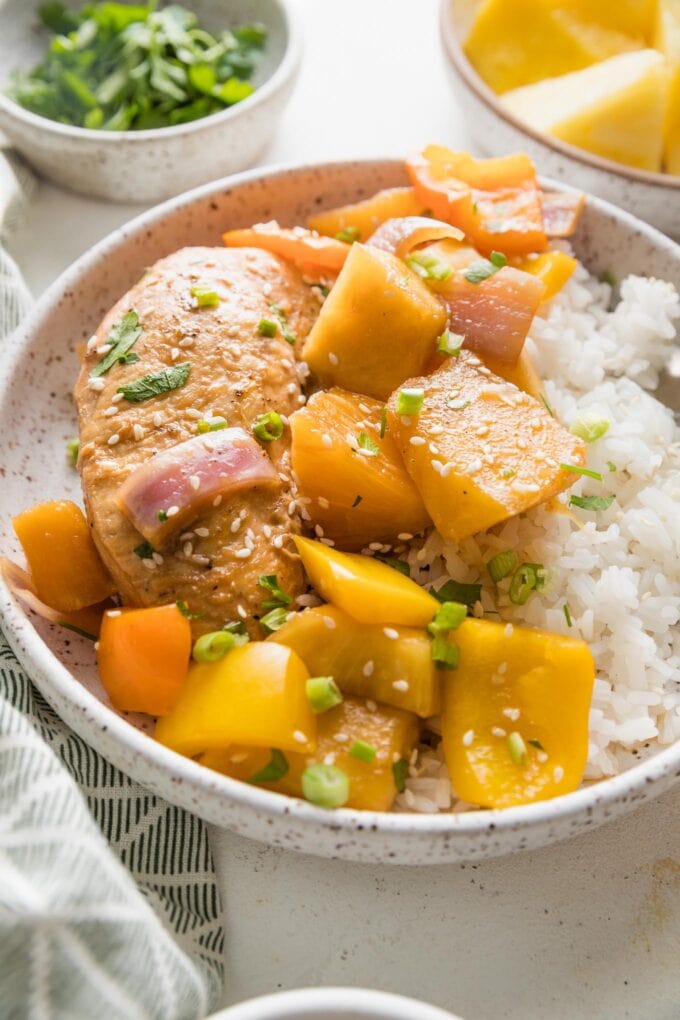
653,197
148,166
36,419
333,1004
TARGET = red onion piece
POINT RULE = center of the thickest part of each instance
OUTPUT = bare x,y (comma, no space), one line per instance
179,483
404,233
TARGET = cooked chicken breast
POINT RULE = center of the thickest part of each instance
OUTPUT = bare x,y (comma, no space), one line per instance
214,562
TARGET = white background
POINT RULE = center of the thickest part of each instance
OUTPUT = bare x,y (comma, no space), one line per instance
589,928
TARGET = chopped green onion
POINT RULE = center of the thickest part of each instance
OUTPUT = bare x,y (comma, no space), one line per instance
282,320
400,772
396,564
428,267
276,769
517,748
448,617
445,654
577,470
457,403
267,327
185,611
322,288
268,427
204,296
72,451
363,751
237,627
156,383
567,614
482,269
325,785
270,583
145,551
589,427
537,744
611,465
78,630
502,564
162,516
213,646
508,473
450,343
606,276
455,591
498,259
357,500
410,401
322,693
210,425
383,422
592,502
547,405
364,442
348,234
528,577
274,619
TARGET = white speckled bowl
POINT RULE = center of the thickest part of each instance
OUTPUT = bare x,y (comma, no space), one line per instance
333,1004
149,166
37,417
653,197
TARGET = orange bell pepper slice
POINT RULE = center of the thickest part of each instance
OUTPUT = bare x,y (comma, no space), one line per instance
497,202
297,244
143,657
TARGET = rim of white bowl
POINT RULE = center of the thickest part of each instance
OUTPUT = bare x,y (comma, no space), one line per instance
476,84
38,657
283,71
350,1002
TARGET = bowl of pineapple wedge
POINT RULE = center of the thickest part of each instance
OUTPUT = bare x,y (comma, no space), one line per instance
590,91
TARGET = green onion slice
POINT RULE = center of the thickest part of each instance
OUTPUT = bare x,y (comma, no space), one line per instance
517,748
214,646
567,614
185,611
592,502
274,619
502,564
363,751
72,451
527,578
282,320
364,442
348,234
268,427
205,296
322,693
325,785
578,470
267,327
383,422
210,425
400,772
589,427
448,617
445,655
428,267
450,343
410,401
455,591
274,770
482,269
270,583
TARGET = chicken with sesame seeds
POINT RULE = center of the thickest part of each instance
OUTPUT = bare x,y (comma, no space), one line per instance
190,379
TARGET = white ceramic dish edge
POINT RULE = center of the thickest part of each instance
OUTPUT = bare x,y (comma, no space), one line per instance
333,1004
259,814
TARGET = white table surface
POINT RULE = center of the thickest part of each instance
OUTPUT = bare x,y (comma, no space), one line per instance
588,928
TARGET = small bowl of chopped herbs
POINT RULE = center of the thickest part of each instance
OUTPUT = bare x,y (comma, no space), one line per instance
135,102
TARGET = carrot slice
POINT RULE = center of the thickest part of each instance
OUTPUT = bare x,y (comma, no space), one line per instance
143,657
496,202
304,247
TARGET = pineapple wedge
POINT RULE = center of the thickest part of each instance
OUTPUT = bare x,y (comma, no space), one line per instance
517,42
615,109
481,450
358,494
363,660
667,40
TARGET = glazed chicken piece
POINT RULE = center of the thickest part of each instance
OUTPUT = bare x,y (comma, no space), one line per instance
202,308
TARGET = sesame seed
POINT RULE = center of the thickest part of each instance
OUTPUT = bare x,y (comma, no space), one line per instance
369,666
104,349
266,530
241,612
401,685
116,398
498,731
468,737
235,525
558,773
191,412
525,486
405,420
188,549
302,400
330,622
405,536
187,341
174,353
483,430
138,431
172,511
112,440
92,342
194,482
157,558
202,532
512,713
149,564
329,759
509,630
96,384
437,466
277,541
542,757
217,500
333,358
326,440
473,467
417,441
157,419
111,410
391,633
243,554
375,546
341,738
299,736
113,612
502,668
323,502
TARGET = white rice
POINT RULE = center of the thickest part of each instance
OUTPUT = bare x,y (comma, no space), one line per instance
620,573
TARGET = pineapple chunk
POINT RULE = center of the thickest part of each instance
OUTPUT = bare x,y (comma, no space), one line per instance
667,40
377,326
365,217
363,660
358,495
519,734
615,109
633,17
370,591
517,42
484,450
391,733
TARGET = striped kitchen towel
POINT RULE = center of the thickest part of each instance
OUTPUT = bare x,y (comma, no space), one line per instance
108,900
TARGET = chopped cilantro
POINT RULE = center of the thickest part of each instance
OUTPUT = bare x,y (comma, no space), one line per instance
154,385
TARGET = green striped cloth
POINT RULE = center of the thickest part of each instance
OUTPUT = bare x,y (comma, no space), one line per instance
108,901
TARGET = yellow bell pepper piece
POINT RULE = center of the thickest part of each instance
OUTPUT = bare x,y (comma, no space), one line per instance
255,695
370,591
515,716
363,660
554,268
389,732
366,216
